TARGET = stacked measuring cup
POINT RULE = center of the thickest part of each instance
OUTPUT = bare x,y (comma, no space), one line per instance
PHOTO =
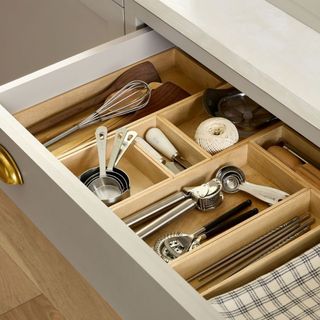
108,183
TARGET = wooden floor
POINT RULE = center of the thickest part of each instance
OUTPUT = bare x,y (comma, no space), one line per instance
36,282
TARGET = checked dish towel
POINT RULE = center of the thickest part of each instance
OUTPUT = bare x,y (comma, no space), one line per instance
291,291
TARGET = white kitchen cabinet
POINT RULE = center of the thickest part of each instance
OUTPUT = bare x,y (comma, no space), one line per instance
121,267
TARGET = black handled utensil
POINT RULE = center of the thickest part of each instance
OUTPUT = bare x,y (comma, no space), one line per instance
173,245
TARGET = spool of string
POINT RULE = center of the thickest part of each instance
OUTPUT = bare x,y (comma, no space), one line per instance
216,134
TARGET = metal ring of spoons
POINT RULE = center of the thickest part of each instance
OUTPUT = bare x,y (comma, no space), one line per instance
233,180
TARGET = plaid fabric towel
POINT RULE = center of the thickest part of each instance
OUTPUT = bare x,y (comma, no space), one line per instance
291,291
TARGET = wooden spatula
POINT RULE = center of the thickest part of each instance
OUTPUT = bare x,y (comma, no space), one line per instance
144,71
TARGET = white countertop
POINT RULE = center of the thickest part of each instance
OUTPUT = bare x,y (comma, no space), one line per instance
271,49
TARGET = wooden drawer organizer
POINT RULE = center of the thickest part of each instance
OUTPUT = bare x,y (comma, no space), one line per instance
151,181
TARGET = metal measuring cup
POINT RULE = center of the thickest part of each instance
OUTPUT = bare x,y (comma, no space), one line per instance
106,188
113,185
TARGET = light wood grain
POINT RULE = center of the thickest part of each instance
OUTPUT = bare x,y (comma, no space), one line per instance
302,204
38,308
172,65
66,289
142,172
45,109
214,250
15,287
187,116
307,172
257,167
310,173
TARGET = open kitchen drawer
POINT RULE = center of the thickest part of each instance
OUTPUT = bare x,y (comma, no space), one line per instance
121,267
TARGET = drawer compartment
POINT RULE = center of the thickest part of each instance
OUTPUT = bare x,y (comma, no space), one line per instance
142,172
187,149
287,146
257,167
304,202
171,65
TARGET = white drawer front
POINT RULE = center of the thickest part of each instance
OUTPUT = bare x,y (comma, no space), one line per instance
122,268
81,68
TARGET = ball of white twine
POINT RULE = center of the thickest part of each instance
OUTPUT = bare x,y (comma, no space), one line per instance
216,134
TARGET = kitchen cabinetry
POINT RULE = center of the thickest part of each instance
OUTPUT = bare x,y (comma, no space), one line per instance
123,269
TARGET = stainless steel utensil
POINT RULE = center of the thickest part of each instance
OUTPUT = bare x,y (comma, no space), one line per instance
115,187
128,140
117,144
283,237
174,245
162,144
205,197
155,209
93,173
104,187
154,154
246,249
132,97
112,185
233,180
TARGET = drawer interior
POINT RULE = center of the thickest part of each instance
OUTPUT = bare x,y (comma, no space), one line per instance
172,65
257,167
309,165
302,203
142,172
152,181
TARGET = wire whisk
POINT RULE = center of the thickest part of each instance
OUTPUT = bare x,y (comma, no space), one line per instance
134,96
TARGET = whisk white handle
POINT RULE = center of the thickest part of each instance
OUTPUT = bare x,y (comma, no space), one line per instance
266,194
101,140
161,143
149,150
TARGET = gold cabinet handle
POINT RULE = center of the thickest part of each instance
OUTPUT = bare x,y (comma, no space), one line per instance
9,171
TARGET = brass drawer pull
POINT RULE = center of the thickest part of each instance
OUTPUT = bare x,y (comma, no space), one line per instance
9,171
